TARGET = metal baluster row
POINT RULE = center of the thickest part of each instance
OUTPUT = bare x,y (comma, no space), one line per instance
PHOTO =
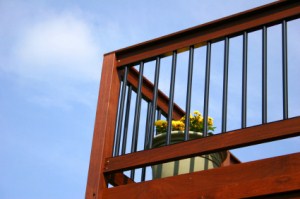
153,112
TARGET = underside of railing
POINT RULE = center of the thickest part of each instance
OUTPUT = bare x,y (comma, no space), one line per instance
118,157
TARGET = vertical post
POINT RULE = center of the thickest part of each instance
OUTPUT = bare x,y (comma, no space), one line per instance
136,122
284,70
154,101
126,122
264,75
158,115
189,93
171,97
206,89
225,85
244,83
121,111
103,138
147,135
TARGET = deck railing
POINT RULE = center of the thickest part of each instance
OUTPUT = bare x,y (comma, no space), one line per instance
132,98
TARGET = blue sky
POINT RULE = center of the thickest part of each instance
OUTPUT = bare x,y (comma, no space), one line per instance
50,66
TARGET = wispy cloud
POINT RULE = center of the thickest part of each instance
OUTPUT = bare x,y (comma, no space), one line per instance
57,55
61,46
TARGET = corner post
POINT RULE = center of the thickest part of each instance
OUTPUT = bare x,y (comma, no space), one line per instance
103,138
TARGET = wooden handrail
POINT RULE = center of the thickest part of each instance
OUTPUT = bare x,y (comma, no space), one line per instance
234,139
249,20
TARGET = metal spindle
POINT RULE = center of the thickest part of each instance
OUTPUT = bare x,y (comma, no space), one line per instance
148,125
206,90
264,75
147,130
244,80
137,114
171,97
189,93
137,110
225,85
121,111
126,122
158,116
284,70
154,101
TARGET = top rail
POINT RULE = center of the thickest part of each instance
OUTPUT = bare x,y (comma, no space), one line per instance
230,26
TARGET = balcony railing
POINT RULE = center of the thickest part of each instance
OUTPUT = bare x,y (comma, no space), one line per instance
207,68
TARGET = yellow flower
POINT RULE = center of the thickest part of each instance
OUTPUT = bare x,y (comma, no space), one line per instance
200,119
182,119
210,121
197,113
161,123
195,124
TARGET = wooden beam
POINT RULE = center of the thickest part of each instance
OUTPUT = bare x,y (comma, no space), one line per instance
229,26
221,142
276,175
102,145
269,176
230,159
117,179
147,92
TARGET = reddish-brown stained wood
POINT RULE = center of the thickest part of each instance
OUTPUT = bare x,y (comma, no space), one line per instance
118,179
147,92
199,35
104,127
269,176
230,159
234,139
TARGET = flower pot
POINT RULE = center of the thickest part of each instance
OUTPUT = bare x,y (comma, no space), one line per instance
187,165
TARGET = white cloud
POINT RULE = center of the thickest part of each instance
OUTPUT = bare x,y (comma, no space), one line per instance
54,56
59,47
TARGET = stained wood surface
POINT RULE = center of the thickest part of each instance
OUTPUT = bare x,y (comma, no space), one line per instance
234,139
117,179
102,145
259,178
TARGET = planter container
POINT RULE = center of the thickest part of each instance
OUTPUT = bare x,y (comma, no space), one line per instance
187,165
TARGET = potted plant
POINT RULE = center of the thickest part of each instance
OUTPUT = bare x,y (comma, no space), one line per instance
187,165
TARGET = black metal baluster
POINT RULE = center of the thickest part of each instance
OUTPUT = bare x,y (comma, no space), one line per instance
244,80
225,85
147,135
154,101
121,111
148,125
284,70
171,97
206,90
126,122
136,121
264,75
189,93
158,116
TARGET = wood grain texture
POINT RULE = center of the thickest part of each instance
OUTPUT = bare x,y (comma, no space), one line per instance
276,175
213,31
104,127
234,139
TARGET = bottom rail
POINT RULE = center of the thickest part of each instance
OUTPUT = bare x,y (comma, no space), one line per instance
278,175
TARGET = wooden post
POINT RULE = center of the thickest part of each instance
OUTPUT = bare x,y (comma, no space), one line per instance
103,138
